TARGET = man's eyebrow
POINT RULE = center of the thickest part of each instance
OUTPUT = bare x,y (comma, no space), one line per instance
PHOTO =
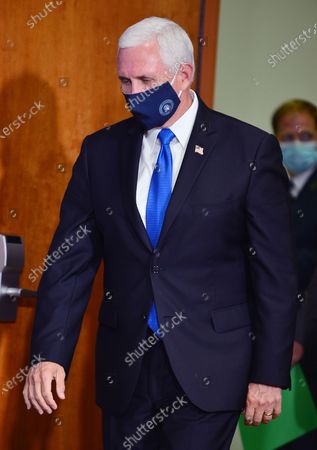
140,77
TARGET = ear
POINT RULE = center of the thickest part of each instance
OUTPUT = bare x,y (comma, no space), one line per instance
185,75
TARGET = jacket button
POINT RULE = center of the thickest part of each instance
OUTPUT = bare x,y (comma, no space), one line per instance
252,166
156,253
155,269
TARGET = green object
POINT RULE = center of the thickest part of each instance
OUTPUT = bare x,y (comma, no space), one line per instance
299,416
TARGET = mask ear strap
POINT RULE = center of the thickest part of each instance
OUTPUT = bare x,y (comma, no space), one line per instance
178,67
180,92
174,77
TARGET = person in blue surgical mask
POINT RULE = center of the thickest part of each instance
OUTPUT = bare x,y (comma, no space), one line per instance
295,125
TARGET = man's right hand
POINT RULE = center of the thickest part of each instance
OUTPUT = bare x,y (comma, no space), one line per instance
38,386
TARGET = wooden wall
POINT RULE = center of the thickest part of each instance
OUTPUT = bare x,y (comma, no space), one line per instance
65,64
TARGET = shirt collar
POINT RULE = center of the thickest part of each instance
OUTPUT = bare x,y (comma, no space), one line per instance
183,126
300,180
303,176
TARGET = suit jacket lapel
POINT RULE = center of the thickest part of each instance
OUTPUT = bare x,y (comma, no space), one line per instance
203,135
130,150
310,185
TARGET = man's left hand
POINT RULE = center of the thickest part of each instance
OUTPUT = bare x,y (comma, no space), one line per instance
263,404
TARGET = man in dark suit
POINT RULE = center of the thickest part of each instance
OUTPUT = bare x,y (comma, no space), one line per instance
295,125
189,210
309,338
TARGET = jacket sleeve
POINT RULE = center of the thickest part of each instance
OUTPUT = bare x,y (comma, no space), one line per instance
69,270
272,267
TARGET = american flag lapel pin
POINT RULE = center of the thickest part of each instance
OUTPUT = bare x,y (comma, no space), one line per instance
199,149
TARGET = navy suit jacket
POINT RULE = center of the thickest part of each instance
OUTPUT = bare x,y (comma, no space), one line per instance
304,214
224,260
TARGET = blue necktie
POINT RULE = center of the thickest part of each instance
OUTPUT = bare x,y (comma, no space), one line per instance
158,198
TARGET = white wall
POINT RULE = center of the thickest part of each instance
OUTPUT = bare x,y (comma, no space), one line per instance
247,85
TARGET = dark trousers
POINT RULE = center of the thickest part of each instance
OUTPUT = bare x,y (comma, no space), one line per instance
161,417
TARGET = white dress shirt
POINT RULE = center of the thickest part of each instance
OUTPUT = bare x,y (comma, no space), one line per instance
151,146
299,181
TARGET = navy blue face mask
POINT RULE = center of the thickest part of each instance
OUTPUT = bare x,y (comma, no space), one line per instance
154,106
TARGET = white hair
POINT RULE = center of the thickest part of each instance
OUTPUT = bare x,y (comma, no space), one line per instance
174,44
